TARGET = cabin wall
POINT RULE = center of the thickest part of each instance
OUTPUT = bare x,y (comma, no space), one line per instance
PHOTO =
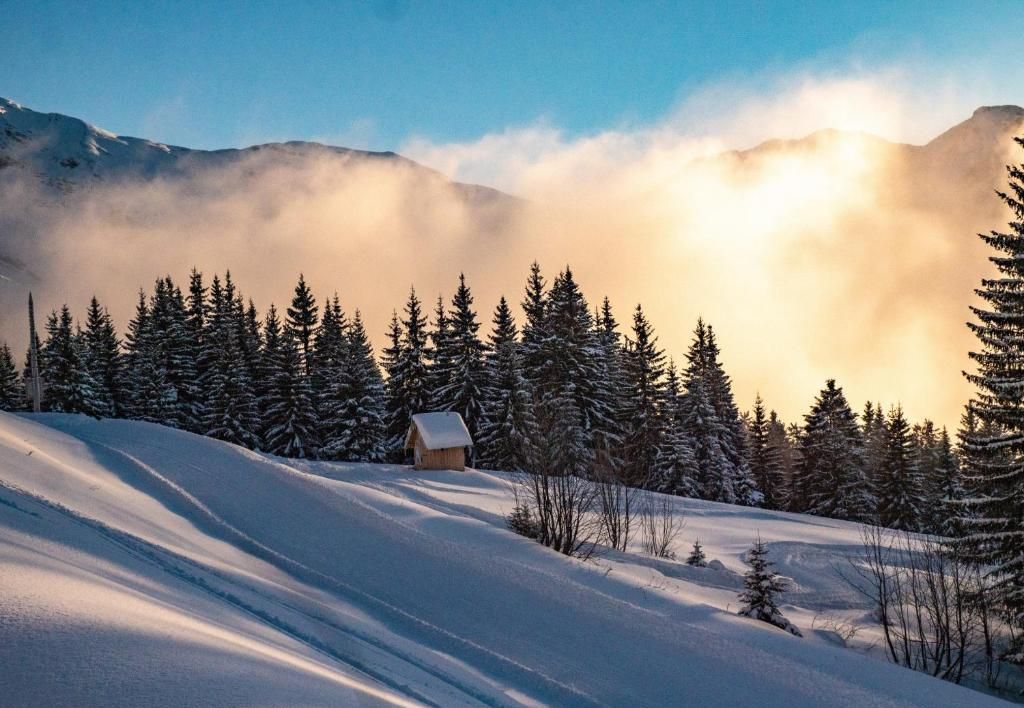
451,458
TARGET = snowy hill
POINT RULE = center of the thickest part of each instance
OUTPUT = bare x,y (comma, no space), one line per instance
149,567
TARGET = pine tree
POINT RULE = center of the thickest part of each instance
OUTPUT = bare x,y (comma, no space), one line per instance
712,422
302,320
406,364
781,461
759,451
569,372
460,362
945,518
192,402
230,411
676,465
993,454
439,355
830,479
609,433
360,418
103,358
534,306
395,422
899,492
644,368
70,386
697,557
761,588
327,379
149,396
874,432
507,407
291,423
12,393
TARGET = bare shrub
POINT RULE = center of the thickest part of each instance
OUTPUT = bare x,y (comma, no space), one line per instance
934,607
659,525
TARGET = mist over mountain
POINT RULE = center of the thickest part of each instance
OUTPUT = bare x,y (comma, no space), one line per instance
84,211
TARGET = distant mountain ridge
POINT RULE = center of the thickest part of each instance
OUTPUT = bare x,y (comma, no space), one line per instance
64,153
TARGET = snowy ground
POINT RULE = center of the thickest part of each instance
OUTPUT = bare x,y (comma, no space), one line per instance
144,566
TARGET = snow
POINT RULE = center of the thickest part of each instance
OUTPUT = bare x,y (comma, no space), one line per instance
145,566
440,430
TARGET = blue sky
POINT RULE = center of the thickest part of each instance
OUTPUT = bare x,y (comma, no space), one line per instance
374,74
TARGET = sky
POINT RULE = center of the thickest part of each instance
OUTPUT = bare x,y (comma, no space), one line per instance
378,74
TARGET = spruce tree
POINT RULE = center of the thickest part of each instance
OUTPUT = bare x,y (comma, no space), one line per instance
995,451
104,359
609,433
291,424
149,397
460,360
358,422
675,470
830,479
900,502
712,438
761,588
781,461
302,320
644,369
12,392
230,411
396,424
507,406
197,357
439,355
758,454
697,557
70,386
407,366
534,306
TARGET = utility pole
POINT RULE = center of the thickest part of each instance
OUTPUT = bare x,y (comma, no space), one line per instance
37,389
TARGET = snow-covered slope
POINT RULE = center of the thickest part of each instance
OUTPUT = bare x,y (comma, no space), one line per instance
149,567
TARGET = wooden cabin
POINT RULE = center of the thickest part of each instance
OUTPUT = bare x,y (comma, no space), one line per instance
438,441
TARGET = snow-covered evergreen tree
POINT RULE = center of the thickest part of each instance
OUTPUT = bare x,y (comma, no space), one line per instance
70,386
831,480
643,399
302,320
290,423
675,469
781,463
460,370
406,363
231,411
439,355
761,588
899,491
764,457
12,392
713,424
149,396
569,368
534,333
330,352
994,453
357,424
507,407
697,557
195,355
103,358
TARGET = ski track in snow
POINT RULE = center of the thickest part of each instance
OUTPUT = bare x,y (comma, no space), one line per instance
409,586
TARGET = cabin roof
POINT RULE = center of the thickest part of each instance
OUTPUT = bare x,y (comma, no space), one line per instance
439,431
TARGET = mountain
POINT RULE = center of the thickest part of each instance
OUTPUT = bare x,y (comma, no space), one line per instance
133,572
65,153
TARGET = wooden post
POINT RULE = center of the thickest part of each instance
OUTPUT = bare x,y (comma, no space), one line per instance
37,389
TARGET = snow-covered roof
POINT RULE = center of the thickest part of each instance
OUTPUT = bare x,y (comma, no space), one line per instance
439,430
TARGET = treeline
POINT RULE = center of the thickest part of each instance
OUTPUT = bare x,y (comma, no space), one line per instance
305,383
